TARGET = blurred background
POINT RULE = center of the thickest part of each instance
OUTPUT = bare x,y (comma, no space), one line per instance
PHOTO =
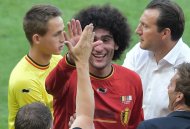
13,44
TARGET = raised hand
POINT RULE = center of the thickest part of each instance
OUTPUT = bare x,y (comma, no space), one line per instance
74,33
82,50
85,95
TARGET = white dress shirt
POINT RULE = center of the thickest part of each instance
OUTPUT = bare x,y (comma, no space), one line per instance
156,77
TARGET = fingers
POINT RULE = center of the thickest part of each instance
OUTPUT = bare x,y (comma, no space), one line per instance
78,26
74,28
69,29
87,33
65,36
69,45
72,119
97,43
93,35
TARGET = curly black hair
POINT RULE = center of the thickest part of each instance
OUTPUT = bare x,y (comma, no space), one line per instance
110,19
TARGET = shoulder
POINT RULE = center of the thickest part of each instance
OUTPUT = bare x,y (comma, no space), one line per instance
184,52
19,65
56,58
123,71
164,123
184,46
23,82
23,76
135,57
127,76
152,123
136,50
20,70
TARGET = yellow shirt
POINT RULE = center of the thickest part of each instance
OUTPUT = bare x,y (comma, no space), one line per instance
27,85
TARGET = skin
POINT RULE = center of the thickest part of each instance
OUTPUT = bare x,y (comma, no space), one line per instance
176,98
85,98
51,43
159,43
172,93
147,30
101,56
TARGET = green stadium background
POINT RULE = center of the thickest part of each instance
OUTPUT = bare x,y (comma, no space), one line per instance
13,44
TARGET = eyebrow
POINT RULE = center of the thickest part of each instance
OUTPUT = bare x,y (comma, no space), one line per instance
105,36
58,32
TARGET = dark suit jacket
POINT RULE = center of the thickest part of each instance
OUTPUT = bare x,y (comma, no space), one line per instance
175,120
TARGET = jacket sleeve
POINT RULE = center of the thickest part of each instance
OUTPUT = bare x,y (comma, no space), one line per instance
56,82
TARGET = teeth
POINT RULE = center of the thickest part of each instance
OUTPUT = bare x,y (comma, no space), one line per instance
99,56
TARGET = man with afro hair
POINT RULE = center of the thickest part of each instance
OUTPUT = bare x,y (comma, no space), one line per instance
117,90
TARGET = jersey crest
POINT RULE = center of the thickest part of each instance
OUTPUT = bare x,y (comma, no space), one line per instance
125,116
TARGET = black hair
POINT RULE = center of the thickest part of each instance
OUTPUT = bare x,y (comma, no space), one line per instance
110,19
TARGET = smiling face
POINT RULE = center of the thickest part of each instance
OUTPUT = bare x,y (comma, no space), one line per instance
53,41
101,57
150,38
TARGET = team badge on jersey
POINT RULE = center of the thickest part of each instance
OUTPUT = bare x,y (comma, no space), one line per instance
25,90
126,99
125,116
102,90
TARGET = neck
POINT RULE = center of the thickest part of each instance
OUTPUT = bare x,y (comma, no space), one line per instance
182,108
101,72
38,57
163,50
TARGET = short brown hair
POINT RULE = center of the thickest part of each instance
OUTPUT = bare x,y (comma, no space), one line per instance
36,19
33,116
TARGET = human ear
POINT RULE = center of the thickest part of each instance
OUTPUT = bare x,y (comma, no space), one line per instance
116,47
166,33
179,96
36,39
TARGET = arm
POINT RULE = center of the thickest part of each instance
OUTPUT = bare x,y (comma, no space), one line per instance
57,79
84,99
85,96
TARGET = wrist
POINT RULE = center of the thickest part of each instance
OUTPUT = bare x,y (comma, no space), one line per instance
82,64
69,60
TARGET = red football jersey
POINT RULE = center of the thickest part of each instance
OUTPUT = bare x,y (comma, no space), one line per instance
118,97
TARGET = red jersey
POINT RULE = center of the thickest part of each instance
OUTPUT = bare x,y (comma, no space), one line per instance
118,97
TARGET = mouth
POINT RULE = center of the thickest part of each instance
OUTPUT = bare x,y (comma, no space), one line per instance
61,47
99,57
141,40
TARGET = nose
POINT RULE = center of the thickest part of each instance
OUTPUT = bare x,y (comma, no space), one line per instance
62,37
138,30
98,47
